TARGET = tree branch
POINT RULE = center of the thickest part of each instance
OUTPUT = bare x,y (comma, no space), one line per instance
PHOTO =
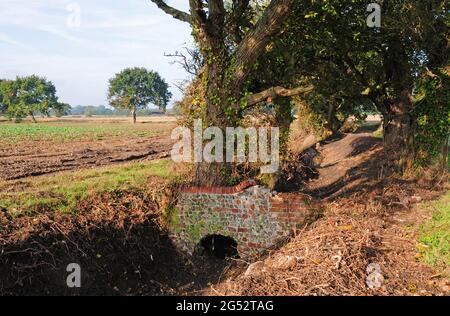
239,7
177,14
255,43
191,62
276,92
216,18
216,10
198,15
199,23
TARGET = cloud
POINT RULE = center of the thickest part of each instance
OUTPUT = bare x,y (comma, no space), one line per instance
112,35
60,33
7,39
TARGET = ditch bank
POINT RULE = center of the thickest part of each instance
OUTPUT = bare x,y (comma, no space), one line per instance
118,239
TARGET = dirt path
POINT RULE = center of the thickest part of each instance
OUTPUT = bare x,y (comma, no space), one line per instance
39,158
339,158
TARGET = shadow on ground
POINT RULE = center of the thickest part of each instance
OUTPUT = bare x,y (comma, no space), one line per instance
352,163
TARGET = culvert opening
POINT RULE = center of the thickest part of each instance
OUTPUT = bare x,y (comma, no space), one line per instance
218,246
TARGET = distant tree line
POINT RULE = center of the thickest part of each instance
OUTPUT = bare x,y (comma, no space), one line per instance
101,110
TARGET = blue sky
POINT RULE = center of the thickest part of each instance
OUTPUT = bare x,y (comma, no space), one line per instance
43,37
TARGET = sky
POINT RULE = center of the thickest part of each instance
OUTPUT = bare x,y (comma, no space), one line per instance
79,45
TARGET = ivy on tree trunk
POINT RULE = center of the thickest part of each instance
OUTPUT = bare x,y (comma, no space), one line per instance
230,52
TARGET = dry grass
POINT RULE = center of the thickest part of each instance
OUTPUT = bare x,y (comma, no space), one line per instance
331,258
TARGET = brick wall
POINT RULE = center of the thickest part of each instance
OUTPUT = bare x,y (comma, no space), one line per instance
255,217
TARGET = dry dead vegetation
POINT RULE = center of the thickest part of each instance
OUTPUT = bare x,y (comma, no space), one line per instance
369,218
119,239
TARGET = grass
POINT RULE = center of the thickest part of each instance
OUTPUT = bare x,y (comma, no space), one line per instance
379,133
11,133
435,234
62,192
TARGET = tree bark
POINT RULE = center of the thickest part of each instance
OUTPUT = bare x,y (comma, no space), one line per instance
333,125
397,123
133,113
33,118
284,120
399,130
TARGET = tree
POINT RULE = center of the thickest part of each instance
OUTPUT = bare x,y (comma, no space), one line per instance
136,88
8,92
89,111
351,64
61,109
292,44
2,106
231,36
28,96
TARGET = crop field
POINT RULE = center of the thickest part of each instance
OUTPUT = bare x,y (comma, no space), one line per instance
29,149
77,129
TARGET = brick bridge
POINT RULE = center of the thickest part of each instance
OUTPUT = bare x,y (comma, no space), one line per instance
254,217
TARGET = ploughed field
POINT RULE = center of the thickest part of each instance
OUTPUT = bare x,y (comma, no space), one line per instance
28,149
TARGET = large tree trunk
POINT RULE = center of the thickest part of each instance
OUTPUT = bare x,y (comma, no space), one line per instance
399,130
212,174
217,98
397,123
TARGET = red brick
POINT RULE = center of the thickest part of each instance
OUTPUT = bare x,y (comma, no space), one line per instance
283,204
277,209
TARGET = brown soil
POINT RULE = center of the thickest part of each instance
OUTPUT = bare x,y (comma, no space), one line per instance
38,158
339,157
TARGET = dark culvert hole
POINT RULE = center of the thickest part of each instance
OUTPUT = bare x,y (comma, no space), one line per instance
218,246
